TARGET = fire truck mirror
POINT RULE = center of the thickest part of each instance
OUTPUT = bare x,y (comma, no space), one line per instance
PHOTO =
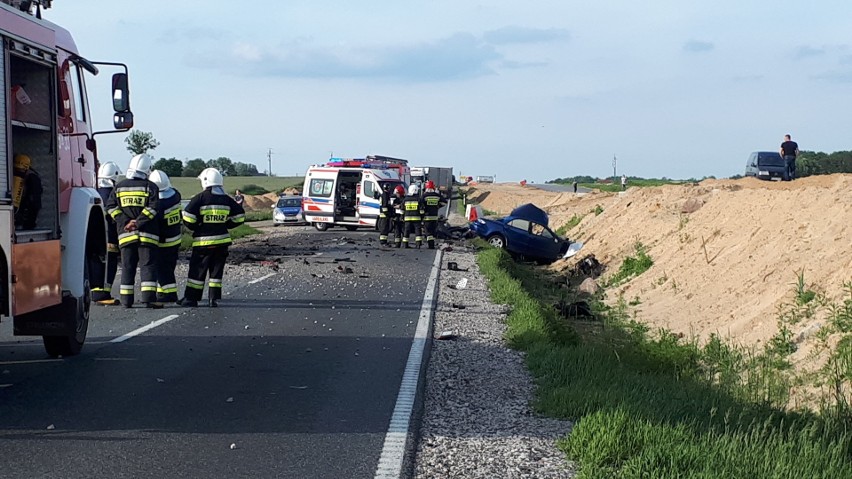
91,145
120,93
123,120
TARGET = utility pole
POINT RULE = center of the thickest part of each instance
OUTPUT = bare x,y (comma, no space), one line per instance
614,172
269,159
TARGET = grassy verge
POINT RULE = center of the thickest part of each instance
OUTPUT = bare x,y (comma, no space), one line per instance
656,406
259,215
236,233
190,186
574,221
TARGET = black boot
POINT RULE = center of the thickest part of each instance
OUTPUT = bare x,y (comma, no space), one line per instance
213,303
188,303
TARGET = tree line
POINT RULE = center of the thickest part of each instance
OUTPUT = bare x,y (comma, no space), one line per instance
139,142
811,163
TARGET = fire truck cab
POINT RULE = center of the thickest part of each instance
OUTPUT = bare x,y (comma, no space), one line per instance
346,192
52,220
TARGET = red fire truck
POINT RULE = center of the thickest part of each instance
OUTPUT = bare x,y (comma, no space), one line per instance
52,224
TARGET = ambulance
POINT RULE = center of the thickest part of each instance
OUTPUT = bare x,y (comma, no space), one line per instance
346,192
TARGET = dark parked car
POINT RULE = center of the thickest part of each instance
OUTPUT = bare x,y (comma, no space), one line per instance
767,165
288,210
524,233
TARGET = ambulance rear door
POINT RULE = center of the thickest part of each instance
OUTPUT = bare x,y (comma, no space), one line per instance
318,194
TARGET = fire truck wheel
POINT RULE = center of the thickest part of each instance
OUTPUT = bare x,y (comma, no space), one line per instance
71,345
321,226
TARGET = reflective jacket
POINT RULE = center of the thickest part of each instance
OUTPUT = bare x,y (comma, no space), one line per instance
135,199
169,219
385,204
112,235
411,207
432,202
210,214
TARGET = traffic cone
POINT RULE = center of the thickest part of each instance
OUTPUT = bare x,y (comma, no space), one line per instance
472,214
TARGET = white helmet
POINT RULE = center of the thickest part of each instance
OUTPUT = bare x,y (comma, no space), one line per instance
108,175
211,177
413,190
161,179
140,166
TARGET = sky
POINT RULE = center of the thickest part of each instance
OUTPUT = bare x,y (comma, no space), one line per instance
520,90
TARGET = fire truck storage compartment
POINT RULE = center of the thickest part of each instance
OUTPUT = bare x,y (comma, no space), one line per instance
32,132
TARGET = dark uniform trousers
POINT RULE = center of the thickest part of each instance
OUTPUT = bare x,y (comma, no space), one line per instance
411,206
166,282
99,269
204,260
143,256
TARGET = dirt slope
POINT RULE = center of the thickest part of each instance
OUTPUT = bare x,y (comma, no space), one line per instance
726,266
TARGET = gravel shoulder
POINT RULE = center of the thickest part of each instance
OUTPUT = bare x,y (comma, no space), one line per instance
477,420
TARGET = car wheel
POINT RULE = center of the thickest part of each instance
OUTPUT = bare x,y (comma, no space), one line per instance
321,226
497,241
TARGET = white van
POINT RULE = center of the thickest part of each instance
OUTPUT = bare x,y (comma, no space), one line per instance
346,192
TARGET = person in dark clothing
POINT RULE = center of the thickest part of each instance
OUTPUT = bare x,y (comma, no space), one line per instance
385,213
26,195
411,206
170,237
432,202
134,206
209,215
103,272
790,150
398,223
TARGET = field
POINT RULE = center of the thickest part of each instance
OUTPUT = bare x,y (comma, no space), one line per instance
190,186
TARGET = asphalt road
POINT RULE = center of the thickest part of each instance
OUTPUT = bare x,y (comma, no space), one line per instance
295,375
558,187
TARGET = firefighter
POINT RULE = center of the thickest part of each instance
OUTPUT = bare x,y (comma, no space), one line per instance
209,214
108,175
170,236
386,213
134,207
411,206
432,203
398,215
26,193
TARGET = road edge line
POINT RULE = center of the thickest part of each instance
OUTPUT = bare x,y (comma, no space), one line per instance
398,449
258,280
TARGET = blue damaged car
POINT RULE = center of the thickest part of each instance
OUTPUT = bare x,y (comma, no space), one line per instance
524,234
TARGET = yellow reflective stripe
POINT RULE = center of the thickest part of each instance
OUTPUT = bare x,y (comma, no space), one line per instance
194,284
115,212
412,218
124,193
214,283
189,217
430,218
169,288
173,210
211,242
169,242
215,209
240,218
149,212
128,238
123,189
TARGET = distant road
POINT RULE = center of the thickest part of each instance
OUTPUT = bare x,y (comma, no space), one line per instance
558,188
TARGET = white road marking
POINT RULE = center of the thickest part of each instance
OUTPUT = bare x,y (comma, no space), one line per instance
258,280
393,451
141,330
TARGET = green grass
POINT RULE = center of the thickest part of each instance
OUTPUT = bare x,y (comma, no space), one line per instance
632,266
236,233
574,221
656,405
259,215
641,182
188,187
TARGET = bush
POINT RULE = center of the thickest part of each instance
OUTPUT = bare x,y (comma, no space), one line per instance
252,189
